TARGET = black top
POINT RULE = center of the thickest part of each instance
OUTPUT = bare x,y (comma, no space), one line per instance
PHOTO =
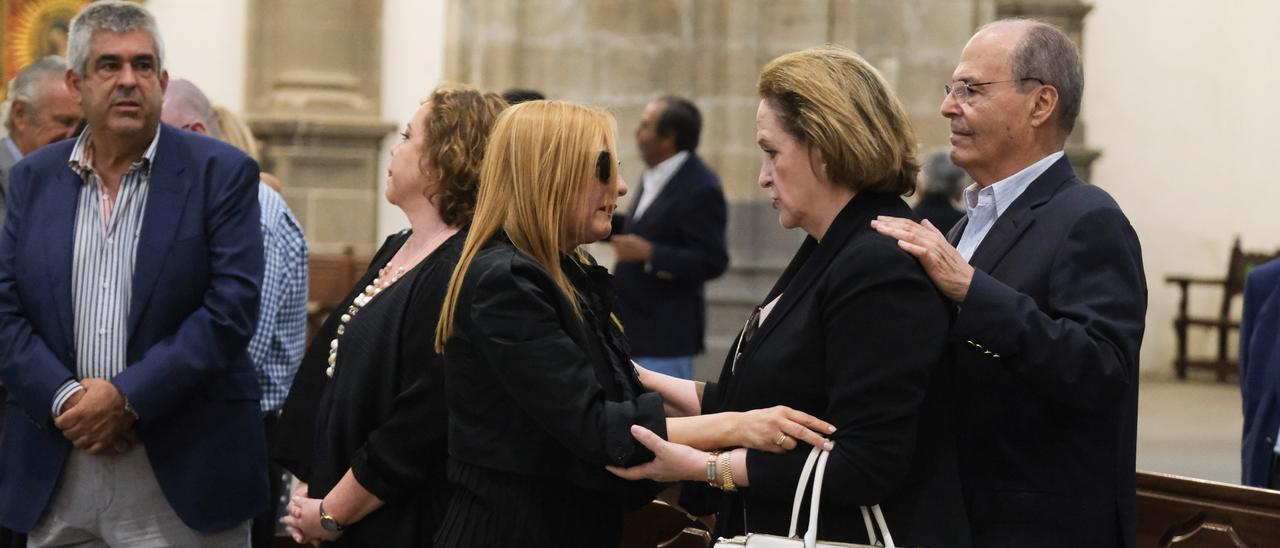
383,414
858,338
1046,344
540,400
661,305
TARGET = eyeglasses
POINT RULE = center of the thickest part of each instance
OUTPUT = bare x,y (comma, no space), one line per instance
963,90
748,331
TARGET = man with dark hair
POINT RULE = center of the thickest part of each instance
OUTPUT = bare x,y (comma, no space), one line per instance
672,241
1046,272
515,96
130,267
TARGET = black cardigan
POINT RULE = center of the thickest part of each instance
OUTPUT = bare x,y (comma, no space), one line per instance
383,414
858,338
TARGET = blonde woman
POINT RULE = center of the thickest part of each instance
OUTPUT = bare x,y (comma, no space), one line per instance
542,392
854,331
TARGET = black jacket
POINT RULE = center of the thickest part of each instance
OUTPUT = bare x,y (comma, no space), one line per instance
662,308
858,338
532,387
1047,358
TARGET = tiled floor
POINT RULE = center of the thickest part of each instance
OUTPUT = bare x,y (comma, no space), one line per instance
1190,428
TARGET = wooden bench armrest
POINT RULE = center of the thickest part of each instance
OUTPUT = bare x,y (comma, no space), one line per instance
1186,280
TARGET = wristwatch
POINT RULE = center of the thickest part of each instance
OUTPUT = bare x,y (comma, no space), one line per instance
327,522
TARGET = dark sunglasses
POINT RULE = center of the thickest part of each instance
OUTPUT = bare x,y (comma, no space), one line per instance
604,166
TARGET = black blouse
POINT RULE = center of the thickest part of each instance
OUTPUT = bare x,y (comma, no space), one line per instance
383,414
540,400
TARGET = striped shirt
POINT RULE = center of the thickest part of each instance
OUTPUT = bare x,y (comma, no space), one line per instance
278,344
106,238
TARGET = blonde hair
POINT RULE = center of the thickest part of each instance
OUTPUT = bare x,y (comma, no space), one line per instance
235,132
830,98
538,165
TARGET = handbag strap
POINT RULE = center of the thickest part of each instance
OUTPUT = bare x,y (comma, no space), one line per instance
800,485
811,536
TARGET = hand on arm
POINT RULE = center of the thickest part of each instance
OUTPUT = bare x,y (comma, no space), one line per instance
775,430
676,462
944,265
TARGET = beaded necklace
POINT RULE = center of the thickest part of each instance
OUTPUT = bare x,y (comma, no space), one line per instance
386,276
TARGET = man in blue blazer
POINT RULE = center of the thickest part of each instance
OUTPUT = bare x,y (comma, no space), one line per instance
130,264
1046,272
671,243
1260,377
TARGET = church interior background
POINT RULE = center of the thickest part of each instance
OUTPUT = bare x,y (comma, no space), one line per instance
1178,121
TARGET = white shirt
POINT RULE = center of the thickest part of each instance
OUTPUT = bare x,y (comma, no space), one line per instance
656,178
985,205
13,147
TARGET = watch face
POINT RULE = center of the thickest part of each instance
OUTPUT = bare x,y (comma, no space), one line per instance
329,524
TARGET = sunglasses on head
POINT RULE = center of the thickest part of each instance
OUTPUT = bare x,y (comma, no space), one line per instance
604,166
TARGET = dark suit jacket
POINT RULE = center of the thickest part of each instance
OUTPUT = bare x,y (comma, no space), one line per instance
858,338
662,309
1260,372
193,310
1047,356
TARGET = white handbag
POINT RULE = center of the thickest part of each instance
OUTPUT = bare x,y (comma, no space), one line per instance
810,540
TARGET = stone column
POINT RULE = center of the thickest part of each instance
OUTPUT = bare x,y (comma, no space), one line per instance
1069,16
315,105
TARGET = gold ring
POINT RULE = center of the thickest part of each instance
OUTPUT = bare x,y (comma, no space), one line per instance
782,438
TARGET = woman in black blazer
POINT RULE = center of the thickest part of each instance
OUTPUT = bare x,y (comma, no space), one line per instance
853,332
541,391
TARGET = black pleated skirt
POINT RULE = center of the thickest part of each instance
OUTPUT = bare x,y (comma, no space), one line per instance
491,508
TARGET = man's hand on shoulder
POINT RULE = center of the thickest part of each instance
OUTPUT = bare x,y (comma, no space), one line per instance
944,265
95,419
631,248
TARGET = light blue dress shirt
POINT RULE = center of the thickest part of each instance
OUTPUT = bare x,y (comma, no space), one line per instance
985,205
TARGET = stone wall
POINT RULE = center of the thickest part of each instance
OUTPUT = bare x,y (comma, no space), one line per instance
621,54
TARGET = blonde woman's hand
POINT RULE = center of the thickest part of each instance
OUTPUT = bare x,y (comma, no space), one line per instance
779,429
671,461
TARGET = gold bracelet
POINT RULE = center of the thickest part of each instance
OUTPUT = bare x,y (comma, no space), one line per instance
726,473
711,468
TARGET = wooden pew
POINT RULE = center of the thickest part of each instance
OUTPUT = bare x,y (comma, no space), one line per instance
1180,512
330,278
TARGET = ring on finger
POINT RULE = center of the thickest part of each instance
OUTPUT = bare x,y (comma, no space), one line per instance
782,438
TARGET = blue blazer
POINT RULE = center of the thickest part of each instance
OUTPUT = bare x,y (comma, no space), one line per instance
193,309
1046,349
1260,372
662,309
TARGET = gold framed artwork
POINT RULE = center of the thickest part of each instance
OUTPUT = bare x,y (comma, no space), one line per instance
31,30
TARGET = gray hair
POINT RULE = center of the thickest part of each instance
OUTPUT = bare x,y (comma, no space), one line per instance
115,16
942,176
186,100
27,85
1047,54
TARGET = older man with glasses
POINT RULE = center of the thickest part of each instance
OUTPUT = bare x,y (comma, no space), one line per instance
1046,275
